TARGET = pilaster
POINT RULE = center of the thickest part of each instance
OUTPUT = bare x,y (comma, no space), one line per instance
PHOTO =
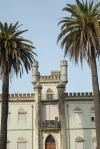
61,97
37,88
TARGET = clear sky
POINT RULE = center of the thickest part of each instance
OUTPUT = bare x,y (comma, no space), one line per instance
40,17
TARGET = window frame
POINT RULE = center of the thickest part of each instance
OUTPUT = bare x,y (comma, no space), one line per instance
94,140
8,142
78,110
49,93
22,112
79,139
21,140
92,111
9,117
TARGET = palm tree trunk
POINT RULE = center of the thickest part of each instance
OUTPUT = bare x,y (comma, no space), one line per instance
96,99
4,114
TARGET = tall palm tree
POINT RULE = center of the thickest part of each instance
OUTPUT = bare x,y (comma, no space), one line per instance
15,53
80,38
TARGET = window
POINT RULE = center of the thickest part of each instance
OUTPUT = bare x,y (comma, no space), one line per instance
56,118
21,115
9,114
94,143
50,112
92,114
21,143
79,142
49,94
77,115
8,144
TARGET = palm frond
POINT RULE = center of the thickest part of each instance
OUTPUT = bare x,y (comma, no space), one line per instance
81,30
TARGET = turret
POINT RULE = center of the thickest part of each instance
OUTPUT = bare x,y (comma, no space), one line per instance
35,73
64,71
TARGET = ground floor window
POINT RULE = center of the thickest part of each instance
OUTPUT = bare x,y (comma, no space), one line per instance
8,142
94,142
21,143
79,142
79,145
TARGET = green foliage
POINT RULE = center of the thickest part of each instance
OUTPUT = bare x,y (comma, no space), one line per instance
15,51
80,33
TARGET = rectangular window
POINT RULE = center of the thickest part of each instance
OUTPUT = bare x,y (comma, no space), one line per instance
8,119
22,117
94,144
7,145
78,117
92,117
79,145
21,145
51,111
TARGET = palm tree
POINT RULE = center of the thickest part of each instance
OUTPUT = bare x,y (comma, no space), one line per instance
15,53
80,38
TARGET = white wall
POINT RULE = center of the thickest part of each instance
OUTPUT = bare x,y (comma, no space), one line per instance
86,129
16,130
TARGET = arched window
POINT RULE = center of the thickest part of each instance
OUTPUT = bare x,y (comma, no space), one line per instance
79,142
49,94
50,142
92,114
21,143
77,115
21,115
94,142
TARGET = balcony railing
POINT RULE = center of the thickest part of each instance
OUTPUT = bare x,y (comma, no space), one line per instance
51,124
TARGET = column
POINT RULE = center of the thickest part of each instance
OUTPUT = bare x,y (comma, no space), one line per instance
61,98
37,119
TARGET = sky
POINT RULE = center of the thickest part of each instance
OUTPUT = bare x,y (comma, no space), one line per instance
41,18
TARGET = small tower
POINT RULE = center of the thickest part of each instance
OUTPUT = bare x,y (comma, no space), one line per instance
64,71
35,73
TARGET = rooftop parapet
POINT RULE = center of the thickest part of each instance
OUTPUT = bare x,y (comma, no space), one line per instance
55,73
78,94
19,96
47,78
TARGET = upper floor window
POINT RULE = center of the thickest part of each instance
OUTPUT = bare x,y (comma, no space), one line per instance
92,114
21,143
9,116
77,115
49,94
79,143
94,142
22,115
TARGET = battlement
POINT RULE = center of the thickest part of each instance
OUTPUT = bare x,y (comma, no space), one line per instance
84,94
44,78
19,96
63,62
35,63
55,73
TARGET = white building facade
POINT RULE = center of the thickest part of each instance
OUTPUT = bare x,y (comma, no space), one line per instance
50,118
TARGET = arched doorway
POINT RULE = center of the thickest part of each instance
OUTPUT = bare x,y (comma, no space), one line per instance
50,142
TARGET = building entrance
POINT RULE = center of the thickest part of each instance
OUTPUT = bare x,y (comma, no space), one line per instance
50,142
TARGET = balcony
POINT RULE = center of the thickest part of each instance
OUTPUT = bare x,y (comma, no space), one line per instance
52,124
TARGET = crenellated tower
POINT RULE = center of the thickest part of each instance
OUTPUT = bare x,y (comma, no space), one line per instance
64,71
35,73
